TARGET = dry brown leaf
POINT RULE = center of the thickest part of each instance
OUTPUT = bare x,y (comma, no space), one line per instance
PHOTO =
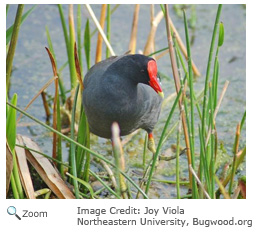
242,187
24,169
77,66
55,137
46,171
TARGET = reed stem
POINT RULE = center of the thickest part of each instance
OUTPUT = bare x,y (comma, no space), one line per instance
205,99
177,85
133,39
13,43
100,39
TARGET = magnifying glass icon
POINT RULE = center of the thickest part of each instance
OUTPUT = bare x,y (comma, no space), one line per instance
11,210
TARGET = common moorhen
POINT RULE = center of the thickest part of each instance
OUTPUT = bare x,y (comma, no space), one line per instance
123,89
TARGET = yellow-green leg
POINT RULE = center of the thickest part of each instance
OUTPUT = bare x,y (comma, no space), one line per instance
152,147
151,143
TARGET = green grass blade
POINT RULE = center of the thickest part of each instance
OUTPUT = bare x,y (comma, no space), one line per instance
7,107
221,34
216,65
14,187
11,124
203,160
72,158
64,26
81,138
87,163
69,42
87,43
12,47
73,76
235,151
59,139
17,176
215,81
242,121
9,31
86,184
190,72
11,139
158,51
144,150
204,110
212,139
108,34
191,127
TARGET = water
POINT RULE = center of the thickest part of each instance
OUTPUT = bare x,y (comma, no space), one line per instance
32,69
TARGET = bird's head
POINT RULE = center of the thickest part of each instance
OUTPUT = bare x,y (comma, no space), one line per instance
140,69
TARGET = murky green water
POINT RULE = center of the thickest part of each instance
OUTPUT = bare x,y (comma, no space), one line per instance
32,69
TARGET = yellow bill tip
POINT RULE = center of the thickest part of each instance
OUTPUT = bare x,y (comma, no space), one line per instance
161,94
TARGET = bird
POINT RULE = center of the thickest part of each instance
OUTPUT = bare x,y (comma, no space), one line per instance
123,89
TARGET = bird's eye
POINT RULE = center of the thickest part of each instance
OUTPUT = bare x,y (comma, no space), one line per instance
159,78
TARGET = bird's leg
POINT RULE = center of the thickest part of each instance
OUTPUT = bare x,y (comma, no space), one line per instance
151,143
152,147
